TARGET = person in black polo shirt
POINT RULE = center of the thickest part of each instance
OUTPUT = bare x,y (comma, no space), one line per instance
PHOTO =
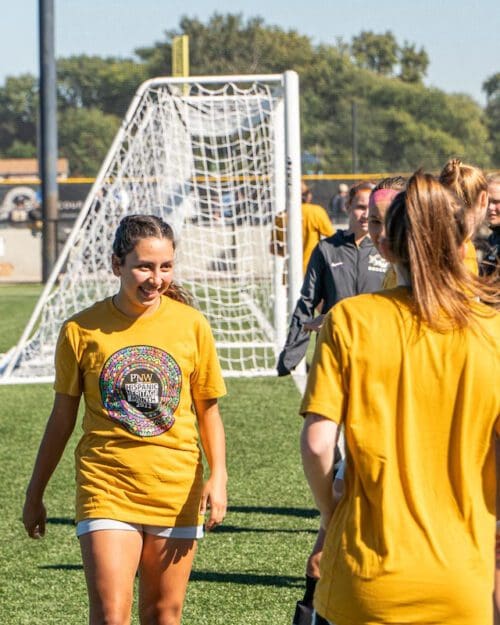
340,266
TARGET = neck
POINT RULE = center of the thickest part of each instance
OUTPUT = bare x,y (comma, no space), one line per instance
134,313
358,236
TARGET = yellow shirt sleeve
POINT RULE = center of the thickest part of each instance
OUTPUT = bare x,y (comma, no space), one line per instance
206,380
68,378
325,392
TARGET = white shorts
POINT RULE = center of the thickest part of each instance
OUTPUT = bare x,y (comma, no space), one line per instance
93,525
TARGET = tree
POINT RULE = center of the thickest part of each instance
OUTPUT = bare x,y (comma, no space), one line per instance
378,53
491,87
85,136
18,149
18,114
413,63
382,54
401,124
95,82
229,45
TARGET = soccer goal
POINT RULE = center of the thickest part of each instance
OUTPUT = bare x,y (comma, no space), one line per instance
218,158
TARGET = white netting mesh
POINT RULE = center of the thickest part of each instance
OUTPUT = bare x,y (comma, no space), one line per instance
208,158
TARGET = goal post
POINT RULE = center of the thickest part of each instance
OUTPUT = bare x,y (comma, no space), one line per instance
217,157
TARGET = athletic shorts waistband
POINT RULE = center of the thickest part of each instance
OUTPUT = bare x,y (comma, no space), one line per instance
94,525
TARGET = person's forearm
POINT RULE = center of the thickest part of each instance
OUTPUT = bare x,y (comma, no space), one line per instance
317,449
212,437
57,433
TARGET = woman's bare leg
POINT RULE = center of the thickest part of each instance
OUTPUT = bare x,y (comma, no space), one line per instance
110,561
163,577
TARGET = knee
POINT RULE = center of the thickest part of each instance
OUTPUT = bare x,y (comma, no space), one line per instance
108,618
159,614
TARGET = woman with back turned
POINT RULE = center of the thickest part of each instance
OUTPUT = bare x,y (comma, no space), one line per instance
412,374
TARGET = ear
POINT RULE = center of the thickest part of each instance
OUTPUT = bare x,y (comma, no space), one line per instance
483,202
115,265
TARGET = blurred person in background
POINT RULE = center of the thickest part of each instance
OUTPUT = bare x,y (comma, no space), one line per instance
315,226
491,260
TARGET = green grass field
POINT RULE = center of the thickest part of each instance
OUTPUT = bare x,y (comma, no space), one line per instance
248,572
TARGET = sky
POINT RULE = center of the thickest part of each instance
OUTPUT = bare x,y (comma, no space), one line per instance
461,37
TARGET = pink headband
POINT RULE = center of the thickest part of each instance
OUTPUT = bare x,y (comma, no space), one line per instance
383,195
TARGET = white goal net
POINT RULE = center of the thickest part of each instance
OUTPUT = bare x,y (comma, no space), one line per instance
217,158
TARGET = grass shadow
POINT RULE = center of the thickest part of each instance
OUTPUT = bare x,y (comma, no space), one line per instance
251,579
60,521
305,513
235,529
61,567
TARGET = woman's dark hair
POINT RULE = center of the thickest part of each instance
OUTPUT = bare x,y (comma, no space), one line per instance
363,185
426,225
134,228
396,183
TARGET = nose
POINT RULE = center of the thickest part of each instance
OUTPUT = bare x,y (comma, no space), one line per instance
155,277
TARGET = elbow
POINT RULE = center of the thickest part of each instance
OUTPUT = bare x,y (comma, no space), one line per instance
318,438
312,449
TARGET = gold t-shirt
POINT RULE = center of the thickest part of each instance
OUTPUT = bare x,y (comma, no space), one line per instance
412,540
316,225
390,278
470,260
138,459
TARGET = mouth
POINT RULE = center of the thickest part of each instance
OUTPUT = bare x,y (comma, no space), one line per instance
149,294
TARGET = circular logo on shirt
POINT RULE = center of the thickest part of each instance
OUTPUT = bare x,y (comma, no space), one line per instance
140,388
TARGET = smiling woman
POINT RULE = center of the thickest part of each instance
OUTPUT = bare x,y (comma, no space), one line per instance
145,274
146,364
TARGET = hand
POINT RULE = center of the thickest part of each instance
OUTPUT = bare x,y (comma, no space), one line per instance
315,324
214,499
34,518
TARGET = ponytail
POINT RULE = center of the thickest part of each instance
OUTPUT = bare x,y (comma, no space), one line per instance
467,183
426,225
179,294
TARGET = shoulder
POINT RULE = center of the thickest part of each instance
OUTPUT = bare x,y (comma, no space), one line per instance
337,239
186,313
494,238
368,244
370,308
489,320
96,311
313,208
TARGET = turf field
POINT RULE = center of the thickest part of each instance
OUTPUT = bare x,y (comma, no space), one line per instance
248,572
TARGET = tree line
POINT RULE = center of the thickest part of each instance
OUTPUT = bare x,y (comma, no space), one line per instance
373,81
